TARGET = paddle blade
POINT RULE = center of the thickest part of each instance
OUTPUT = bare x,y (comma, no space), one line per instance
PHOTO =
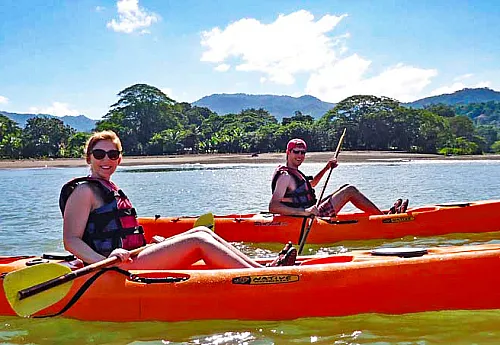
30,276
207,220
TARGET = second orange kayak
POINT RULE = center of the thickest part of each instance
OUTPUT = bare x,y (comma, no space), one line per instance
432,220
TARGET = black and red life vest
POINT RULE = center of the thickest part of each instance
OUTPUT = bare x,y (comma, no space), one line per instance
114,224
303,196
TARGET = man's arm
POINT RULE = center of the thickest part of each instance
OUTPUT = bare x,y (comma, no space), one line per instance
331,163
276,206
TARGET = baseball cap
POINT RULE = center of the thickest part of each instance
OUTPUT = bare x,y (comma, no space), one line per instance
295,143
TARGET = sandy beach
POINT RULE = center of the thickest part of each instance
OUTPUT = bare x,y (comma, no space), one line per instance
315,157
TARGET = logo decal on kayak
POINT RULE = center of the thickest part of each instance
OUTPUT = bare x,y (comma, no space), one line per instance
269,279
399,219
271,223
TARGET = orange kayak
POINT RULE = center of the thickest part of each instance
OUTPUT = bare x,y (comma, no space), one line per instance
401,281
433,220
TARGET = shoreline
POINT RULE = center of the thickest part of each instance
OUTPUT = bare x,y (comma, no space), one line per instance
275,158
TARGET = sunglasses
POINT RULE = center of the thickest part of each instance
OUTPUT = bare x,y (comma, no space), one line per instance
100,154
303,152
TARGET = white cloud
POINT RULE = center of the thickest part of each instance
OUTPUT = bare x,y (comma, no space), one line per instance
347,77
298,44
57,109
4,100
456,87
292,44
224,67
131,17
99,8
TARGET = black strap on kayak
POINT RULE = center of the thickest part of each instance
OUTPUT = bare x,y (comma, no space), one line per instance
92,279
82,290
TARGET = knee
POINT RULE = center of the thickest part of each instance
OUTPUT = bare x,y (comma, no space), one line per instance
351,190
201,230
202,237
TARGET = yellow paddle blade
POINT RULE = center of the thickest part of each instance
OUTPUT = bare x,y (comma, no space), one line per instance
30,276
207,220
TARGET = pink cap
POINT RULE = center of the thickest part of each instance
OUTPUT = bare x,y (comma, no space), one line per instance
295,143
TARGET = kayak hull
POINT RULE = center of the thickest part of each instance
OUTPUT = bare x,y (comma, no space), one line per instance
446,278
433,220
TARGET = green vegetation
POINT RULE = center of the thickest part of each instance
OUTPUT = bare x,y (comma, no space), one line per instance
151,123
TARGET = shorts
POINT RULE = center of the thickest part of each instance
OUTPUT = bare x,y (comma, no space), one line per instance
326,209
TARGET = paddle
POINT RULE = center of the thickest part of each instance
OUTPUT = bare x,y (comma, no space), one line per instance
311,218
207,220
37,287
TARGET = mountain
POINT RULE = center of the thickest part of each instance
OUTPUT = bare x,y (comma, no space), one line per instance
465,96
278,106
81,123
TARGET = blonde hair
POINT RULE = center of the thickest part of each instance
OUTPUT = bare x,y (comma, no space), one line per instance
98,136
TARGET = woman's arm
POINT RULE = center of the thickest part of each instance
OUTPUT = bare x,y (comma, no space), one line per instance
78,207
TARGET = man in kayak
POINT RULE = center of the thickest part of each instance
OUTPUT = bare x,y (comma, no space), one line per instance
99,222
293,192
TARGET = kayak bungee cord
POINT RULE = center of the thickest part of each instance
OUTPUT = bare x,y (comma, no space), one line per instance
92,279
82,290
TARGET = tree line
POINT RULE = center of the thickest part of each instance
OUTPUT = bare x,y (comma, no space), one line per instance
150,123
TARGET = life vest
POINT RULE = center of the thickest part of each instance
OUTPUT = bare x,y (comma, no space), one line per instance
303,195
114,224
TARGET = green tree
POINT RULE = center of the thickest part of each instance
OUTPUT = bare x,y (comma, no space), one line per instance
265,138
167,141
359,115
462,126
490,135
434,132
298,117
441,110
10,138
76,144
46,137
495,147
461,146
141,111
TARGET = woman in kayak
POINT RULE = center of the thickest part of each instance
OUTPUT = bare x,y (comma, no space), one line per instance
99,222
293,193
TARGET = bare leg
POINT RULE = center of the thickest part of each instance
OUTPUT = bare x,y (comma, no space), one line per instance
180,251
352,194
229,246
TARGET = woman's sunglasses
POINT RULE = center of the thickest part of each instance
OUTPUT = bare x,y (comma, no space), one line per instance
100,154
303,152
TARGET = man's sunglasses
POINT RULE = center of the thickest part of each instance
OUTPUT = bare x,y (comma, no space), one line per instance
299,151
100,154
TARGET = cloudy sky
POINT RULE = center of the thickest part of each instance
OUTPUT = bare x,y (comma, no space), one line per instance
72,57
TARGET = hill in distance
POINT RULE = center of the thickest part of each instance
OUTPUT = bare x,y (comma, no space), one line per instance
81,123
278,106
464,96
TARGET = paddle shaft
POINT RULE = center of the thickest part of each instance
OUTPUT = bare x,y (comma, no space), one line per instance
311,221
35,289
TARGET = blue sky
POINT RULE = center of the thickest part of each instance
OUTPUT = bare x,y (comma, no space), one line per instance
72,57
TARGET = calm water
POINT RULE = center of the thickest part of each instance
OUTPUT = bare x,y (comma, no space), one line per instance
30,223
